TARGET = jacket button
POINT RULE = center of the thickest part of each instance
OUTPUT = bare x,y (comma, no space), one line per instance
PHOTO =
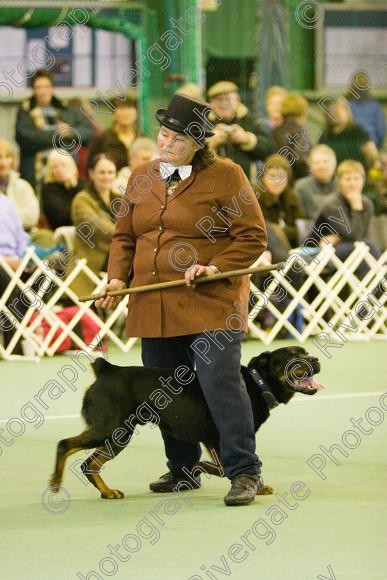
153,273
162,206
161,228
155,250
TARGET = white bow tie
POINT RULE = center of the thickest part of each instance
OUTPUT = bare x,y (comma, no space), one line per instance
166,170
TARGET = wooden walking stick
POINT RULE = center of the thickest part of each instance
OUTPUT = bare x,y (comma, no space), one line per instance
181,282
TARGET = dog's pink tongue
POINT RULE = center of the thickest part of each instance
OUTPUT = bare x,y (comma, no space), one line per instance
312,383
316,385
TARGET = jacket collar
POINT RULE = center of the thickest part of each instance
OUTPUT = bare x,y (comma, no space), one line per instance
159,186
31,103
166,170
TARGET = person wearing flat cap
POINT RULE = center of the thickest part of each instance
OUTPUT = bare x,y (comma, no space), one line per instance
239,135
190,214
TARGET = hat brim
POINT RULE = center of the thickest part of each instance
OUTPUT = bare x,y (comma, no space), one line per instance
178,127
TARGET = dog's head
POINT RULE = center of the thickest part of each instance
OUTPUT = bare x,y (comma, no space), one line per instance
287,371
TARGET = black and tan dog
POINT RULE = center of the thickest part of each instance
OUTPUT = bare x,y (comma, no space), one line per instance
123,397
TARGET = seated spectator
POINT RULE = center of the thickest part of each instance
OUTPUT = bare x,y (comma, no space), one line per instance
239,135
274,98
142,151
280,205
378,195
17,189
348,203
348,140
367,112
59,188
13,239
117,140
290,137
94,212
314,189
13,245
43,123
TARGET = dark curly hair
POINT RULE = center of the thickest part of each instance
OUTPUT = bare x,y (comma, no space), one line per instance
204,157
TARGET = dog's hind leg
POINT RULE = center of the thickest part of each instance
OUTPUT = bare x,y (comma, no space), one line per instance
212,467
93,464
67,447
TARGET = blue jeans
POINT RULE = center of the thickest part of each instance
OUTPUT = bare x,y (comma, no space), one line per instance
218,372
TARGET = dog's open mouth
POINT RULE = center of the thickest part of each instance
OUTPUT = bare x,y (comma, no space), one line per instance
307,385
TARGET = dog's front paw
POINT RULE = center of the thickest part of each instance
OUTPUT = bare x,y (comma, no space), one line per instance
112,494
265,490
54,483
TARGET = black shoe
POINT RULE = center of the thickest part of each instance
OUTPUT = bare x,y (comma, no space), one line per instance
170,482
243,490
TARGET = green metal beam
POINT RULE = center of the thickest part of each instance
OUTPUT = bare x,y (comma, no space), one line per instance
46,17
301,50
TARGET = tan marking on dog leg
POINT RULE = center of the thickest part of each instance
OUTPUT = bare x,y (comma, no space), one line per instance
94,464
74,444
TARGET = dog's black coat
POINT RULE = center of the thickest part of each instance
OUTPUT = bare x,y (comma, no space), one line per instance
118,392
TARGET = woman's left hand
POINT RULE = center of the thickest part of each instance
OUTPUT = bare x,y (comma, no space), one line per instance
197,271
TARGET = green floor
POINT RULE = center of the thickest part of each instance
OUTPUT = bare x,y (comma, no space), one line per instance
337,531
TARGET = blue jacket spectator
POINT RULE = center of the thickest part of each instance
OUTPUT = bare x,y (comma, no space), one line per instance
13,239
367,111
369,115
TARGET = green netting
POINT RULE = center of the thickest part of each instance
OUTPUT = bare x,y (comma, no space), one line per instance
230,31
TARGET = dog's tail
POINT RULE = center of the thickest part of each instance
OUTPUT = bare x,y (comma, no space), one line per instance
100,366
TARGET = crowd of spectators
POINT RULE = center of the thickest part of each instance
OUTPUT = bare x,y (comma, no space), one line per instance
294,176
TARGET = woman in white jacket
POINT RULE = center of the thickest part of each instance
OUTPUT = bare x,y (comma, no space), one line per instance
18,190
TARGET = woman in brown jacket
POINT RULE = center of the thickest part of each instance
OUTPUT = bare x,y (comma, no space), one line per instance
190,214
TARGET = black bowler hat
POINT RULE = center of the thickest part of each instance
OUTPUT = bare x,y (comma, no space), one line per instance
187,115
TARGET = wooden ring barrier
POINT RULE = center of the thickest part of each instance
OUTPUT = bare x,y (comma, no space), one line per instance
322,310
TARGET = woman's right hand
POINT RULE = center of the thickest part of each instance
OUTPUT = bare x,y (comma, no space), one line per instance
12,261
111,301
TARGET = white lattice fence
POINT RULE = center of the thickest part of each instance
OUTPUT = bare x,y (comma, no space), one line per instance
326,310
328,300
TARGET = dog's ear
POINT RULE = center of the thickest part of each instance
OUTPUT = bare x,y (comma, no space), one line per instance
100,366
261,362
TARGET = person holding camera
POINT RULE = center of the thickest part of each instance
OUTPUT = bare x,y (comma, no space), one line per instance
45,122
239,135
